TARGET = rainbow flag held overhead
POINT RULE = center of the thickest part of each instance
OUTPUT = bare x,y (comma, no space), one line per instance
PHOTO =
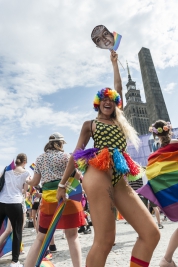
11,166
32,166
162,186
117,39
6,247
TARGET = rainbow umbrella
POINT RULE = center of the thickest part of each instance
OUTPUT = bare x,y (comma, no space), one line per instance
73,192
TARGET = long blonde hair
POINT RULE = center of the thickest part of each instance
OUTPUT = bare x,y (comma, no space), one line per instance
120,120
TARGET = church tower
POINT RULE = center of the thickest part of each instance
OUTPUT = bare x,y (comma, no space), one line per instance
154,98
135,110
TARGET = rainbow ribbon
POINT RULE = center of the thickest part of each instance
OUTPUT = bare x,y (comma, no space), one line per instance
117,39
162,186
50,232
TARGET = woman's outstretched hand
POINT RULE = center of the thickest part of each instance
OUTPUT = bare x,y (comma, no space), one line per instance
113,56
61,194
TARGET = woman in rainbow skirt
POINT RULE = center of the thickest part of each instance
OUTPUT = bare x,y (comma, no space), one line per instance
104,167
49,170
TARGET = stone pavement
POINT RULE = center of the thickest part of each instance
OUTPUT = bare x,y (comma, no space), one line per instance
119,255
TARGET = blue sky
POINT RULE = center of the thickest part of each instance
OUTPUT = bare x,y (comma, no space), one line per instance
50,69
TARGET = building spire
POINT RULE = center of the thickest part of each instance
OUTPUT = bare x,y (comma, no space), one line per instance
129,76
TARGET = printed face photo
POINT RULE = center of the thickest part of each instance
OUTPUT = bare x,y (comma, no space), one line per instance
102,37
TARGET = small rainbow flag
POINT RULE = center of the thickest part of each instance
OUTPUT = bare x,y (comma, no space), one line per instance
162,186
32,166
11,166
28,204
117,39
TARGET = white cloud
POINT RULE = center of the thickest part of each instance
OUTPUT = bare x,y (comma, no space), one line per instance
170,88
45,47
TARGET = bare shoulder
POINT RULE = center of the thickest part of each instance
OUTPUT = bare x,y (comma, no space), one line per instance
86,126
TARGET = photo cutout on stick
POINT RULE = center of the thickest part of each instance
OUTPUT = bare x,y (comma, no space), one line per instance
105,39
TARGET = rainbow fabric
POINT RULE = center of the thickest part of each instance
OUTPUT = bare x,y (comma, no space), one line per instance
11,166
32,166
50,232
46,263
28,204
104,93
73,192
117,39
162,186
6,247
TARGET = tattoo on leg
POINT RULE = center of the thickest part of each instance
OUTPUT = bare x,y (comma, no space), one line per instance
111,195
110,192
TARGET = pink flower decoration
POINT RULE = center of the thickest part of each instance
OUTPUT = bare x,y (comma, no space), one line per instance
165,128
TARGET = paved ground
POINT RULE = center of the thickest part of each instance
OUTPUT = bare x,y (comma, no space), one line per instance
119,255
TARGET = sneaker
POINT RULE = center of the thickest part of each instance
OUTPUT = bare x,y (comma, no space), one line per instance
16,264
160,226
164,263
81,229
53,248
87,231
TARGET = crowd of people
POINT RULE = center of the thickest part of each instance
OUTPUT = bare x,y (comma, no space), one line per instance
105,172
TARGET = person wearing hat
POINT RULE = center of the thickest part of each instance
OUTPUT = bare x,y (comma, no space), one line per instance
49,169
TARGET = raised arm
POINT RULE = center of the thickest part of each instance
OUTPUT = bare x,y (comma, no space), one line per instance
117,77
82,142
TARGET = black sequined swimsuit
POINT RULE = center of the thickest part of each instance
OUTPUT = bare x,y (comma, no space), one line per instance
109,136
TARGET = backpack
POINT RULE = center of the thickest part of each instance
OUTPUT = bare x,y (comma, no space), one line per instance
2,180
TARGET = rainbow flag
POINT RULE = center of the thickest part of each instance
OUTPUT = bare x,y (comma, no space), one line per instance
162,186
32,166
28,204
6,247
117,39
11,166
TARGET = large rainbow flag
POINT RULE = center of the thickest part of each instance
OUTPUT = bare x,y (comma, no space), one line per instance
162,186
7,245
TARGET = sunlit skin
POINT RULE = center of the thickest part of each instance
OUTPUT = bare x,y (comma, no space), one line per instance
107,107
104,39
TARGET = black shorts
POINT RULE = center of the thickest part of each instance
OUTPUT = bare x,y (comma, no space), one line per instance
35,205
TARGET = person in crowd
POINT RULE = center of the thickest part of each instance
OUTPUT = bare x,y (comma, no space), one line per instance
104,167
36,195
11,204
49,170
167,260
162,171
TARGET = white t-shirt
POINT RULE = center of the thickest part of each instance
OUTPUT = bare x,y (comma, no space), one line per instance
12,190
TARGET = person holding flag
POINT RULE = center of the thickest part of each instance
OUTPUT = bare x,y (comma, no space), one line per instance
11,202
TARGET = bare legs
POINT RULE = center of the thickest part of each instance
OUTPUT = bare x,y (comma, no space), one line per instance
173,244
74,247
6,233
135,212
97,186
34,213
102,198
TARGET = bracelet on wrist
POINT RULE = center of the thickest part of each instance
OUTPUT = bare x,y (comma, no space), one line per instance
62,186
